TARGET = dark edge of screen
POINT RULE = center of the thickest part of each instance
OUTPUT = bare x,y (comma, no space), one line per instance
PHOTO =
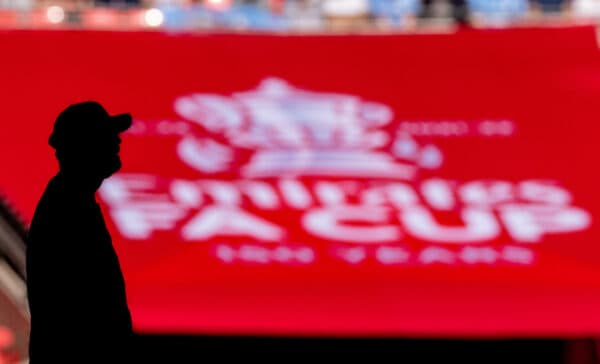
15,221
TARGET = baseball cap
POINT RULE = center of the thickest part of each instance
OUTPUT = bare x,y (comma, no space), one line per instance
85,119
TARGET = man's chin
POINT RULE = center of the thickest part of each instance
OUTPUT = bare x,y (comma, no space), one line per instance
112,168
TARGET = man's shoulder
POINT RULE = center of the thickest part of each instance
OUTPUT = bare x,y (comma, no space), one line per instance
62,195
54,204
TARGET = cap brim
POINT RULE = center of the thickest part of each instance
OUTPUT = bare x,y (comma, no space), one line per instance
121,122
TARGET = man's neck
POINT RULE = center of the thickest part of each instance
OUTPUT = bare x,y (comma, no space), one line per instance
81,184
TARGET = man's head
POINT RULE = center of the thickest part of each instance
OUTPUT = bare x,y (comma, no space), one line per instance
86,140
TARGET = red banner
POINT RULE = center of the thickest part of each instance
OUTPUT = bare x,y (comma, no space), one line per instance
333,185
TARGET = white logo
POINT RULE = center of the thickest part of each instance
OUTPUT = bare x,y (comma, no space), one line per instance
297,132
335,168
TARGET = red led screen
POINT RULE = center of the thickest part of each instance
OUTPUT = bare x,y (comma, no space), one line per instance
393,185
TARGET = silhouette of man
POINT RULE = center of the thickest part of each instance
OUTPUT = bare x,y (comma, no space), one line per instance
75,286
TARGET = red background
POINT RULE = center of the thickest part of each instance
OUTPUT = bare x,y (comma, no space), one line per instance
546,80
